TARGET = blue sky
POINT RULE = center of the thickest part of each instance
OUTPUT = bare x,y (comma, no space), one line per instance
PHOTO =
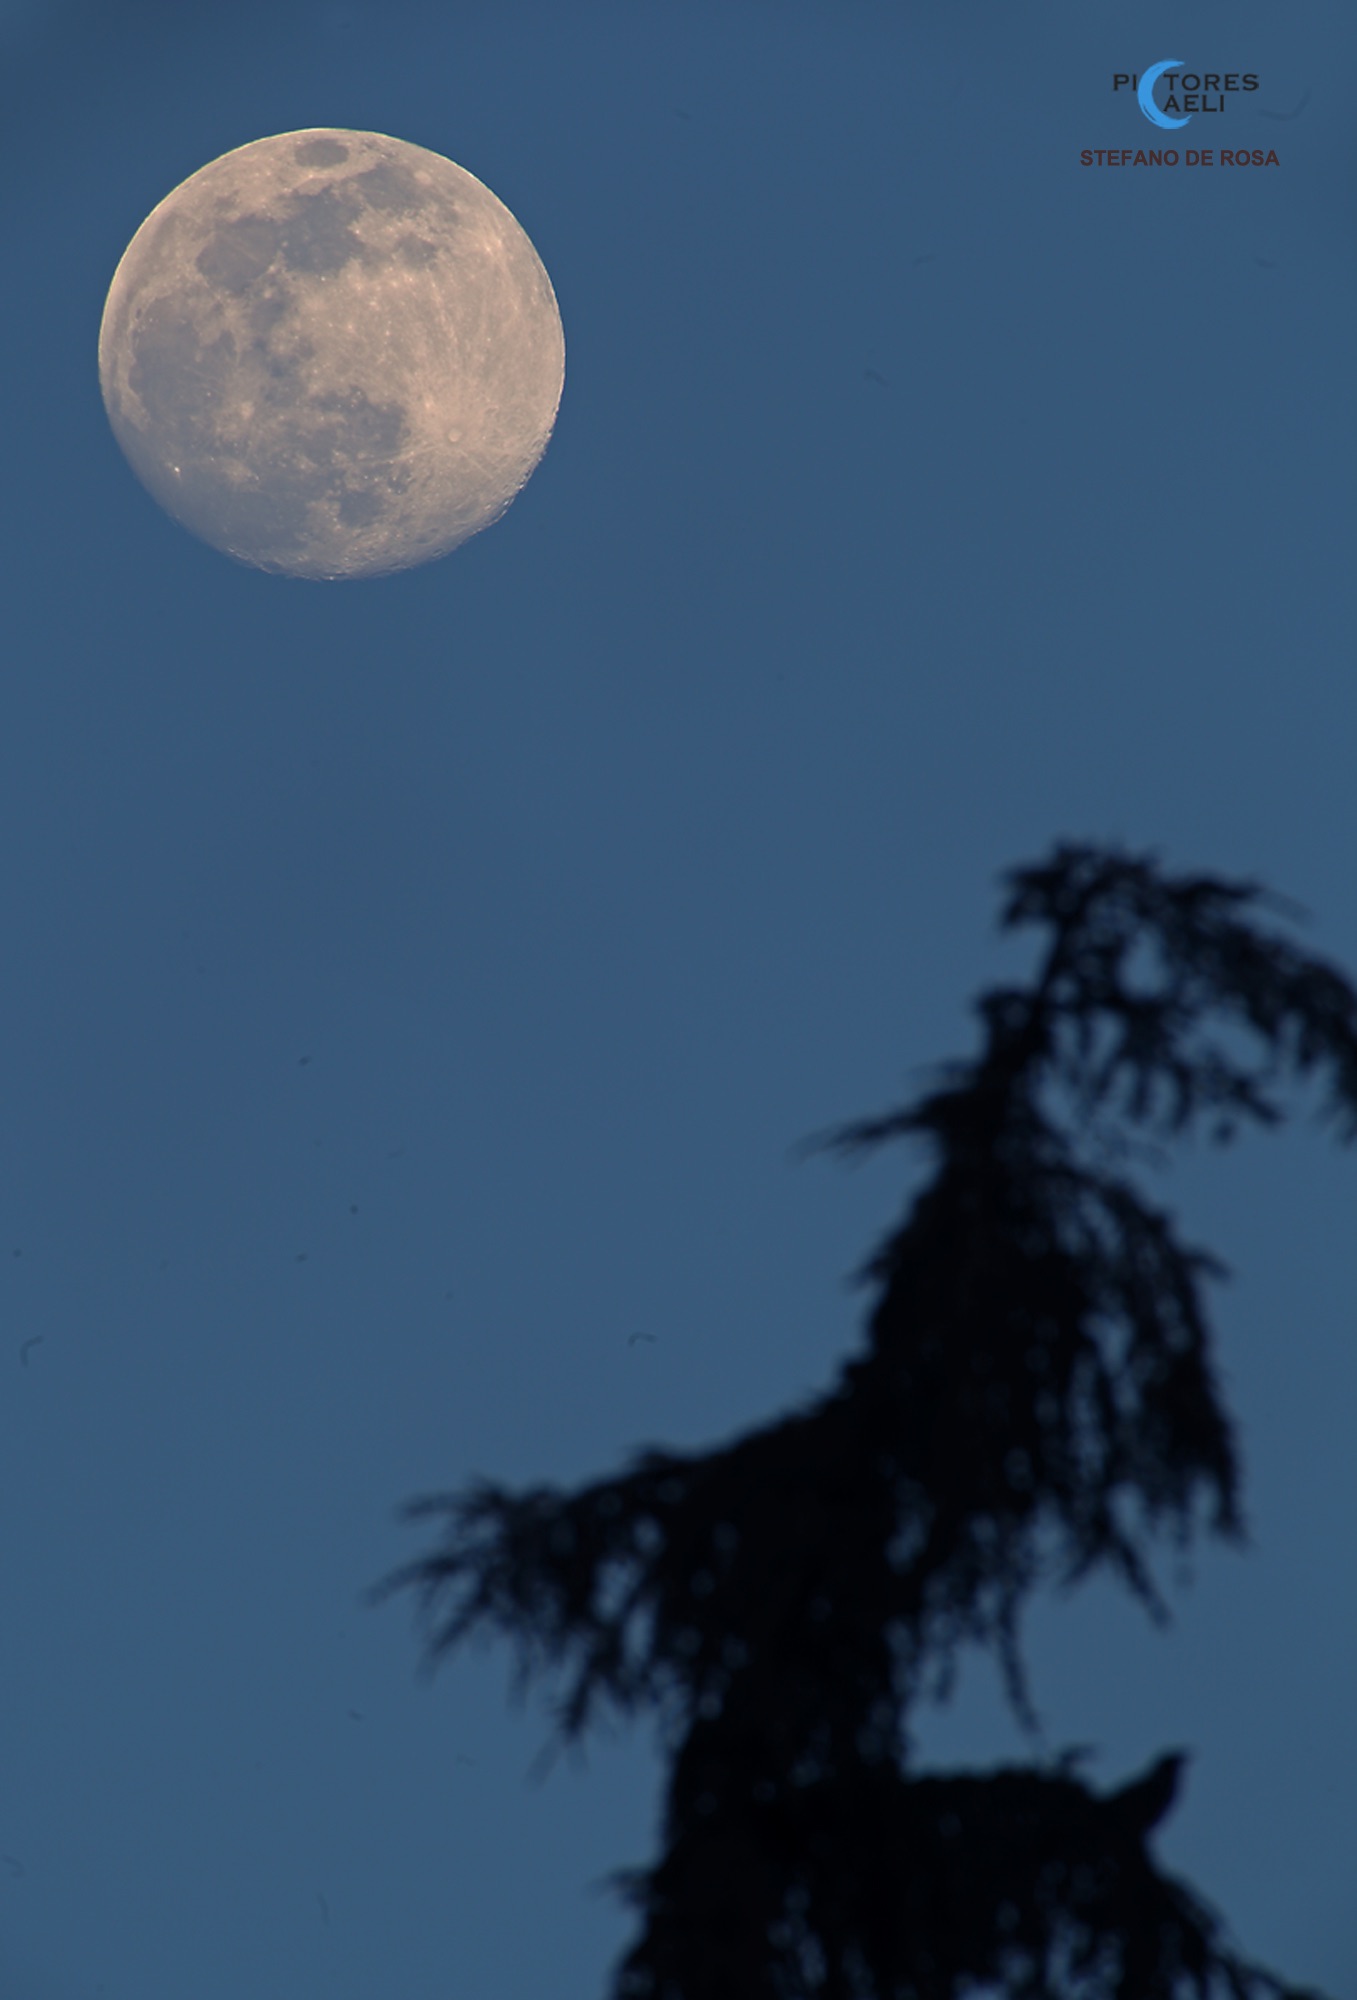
414,987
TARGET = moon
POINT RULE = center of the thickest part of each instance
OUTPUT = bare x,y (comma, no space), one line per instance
332,354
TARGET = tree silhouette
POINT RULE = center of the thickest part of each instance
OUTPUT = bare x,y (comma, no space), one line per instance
1037,1401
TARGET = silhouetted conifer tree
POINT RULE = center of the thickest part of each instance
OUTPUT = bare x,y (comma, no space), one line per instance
1037,1400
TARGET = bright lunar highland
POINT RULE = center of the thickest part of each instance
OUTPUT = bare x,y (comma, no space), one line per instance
332,354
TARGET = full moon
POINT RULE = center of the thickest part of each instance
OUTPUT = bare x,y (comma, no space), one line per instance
332,354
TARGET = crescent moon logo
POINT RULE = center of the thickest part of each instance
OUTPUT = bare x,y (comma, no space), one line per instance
1145,92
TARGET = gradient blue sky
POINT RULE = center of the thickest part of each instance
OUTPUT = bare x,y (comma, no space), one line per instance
413,987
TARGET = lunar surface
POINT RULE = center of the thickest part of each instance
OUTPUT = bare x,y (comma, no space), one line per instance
332,354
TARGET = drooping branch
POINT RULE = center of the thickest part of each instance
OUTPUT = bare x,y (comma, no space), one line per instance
1037,1396
1039,1350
